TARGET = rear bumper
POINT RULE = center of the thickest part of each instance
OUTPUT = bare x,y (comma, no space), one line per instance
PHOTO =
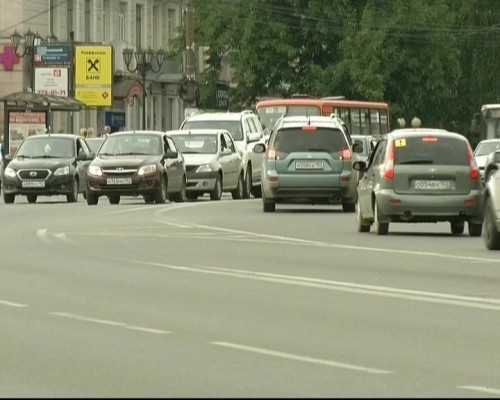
334,188
430,208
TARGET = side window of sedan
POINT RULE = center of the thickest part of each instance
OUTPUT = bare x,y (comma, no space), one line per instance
229,142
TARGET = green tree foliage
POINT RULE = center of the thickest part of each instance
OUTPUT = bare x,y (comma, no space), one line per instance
435,59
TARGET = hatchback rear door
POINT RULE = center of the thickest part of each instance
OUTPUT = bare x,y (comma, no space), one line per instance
432,164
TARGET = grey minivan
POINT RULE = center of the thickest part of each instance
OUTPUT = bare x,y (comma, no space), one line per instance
420,175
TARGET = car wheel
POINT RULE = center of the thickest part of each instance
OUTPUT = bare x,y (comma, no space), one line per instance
381,228
363,225
92,199
248,183
73,196
238,192
457,227
475,229
31,198
257,191
181,196
160,196
216,194
348,207
267,205
8,198
149,198
491,234
114,199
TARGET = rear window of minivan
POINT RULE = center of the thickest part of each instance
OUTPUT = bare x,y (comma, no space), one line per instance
430,150
289,140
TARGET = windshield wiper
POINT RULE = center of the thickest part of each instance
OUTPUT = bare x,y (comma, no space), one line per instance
23,156
46,156
107,154
135,154
417,162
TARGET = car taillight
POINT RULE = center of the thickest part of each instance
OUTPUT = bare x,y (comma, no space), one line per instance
474,170
271,154
346,154
388,168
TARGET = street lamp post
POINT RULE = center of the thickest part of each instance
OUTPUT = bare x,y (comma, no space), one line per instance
144,62
28,42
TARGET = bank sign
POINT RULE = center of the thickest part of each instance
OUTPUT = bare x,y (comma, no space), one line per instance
94,75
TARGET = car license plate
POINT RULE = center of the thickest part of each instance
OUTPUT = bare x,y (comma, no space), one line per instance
309,165
119,181
433,185
33,184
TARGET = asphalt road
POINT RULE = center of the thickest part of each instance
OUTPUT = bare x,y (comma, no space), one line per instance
218,299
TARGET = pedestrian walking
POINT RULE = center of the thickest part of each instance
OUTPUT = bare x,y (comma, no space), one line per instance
83,132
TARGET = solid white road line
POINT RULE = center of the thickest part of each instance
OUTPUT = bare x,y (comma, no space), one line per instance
108,322
12,304
295,357
481,389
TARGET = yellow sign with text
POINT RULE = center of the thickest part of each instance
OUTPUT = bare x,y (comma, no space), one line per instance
94,75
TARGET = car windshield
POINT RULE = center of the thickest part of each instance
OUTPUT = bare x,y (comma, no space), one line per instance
430,150
133,144
196,144
94,144
46,147
485,148
289,140
234,127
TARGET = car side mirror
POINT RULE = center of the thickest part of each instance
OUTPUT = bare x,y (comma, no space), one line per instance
8,157
171,154
357,147
359,166
259,148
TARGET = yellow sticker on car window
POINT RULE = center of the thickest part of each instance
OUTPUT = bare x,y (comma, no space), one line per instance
400,142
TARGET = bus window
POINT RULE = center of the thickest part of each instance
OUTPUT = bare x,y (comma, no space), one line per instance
356,122
365,121
343,113
375,122
384,121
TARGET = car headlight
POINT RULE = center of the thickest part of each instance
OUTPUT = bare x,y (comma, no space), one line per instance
62,171
10,172
147,169
94,170
205,168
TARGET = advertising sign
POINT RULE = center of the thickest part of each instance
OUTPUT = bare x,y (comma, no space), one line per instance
51,81
52,54
94,75
23,124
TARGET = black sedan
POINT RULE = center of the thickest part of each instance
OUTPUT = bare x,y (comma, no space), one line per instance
47,165
132,163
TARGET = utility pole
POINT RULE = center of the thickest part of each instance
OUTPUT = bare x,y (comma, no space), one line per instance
189,86
190,58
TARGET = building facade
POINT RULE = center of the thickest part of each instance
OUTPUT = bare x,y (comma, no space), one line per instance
121,24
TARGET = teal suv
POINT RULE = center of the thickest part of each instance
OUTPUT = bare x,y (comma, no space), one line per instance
308,160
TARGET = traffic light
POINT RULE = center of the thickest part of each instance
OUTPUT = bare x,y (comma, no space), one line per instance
205,58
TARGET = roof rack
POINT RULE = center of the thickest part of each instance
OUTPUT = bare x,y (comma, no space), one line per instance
302,96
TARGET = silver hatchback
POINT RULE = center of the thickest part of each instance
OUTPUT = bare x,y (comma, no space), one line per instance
420,175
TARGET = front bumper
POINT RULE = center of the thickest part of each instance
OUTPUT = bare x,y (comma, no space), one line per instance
52,186
139,185
201,182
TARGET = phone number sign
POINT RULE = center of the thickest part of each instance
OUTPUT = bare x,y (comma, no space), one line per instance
51,81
